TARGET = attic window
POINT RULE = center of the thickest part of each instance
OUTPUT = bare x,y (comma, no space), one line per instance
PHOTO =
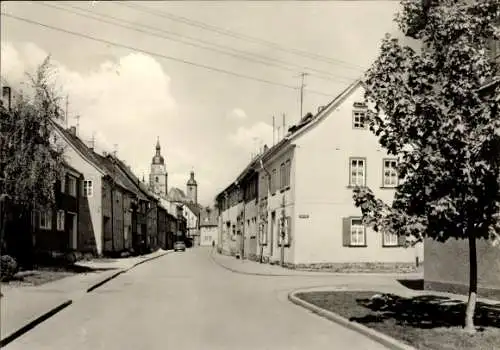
359,119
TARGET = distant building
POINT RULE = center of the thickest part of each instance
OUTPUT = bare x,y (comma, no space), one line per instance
208,226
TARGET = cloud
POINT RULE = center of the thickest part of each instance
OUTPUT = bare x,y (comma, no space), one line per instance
237,114
252,138
126,101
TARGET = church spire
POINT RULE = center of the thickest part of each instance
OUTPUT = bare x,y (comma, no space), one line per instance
158,145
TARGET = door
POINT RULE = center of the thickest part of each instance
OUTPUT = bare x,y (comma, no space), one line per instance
71,228
273,225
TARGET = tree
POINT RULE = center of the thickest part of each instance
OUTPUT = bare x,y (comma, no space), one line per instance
30,162
426,110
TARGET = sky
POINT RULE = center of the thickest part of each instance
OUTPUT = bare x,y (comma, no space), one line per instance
206,78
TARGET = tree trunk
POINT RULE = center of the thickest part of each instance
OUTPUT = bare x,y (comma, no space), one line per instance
471,303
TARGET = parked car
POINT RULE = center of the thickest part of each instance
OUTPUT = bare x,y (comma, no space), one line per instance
179,245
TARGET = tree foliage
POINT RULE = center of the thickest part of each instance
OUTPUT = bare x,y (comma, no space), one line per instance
30,161
427,111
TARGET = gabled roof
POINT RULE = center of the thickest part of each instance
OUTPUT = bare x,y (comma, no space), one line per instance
176,195
81,148
193,207
128,177
304,124
113,172
208,217
324,112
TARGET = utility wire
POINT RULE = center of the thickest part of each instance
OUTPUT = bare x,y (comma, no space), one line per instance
176,37
176,59
236,35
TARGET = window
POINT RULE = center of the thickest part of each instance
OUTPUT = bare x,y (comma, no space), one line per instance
87,188
72,186
60,220
357,233
63,184
285,229
358,119
46,220
273,181
287,173
357,171
390,173
390,239
282,176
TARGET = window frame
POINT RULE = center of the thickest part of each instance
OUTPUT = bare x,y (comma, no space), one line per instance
47,216
394,243
363,159
72,184
351,242
60,220
86,192
359,125
390,160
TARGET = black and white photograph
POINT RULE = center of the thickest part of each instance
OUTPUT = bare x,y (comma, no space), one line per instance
250,175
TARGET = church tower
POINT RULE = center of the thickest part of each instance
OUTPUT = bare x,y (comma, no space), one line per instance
192,189
158,175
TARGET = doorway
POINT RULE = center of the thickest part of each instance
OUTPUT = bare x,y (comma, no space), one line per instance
273,224
71,228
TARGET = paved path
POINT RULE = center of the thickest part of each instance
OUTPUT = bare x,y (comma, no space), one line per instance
187,301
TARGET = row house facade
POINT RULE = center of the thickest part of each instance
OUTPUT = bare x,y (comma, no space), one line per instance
293,204
116,211
56,229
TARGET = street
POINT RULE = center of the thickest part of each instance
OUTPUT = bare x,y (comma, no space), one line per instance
186,301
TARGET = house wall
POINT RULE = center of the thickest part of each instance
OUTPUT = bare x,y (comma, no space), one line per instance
127,222
59,239
323,197
251,229
90,208
281,202
230,243
446,266
207,235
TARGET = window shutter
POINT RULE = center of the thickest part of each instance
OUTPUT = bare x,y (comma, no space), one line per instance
402,240
346,232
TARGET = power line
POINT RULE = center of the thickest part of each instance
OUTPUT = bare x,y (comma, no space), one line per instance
176,59
240,36
239,54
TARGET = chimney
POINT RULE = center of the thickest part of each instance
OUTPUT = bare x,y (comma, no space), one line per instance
320,108
72,130
6,97
266,148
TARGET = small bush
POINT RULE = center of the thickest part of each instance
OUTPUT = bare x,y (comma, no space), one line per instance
8,267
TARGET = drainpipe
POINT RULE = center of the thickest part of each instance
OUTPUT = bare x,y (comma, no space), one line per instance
268,198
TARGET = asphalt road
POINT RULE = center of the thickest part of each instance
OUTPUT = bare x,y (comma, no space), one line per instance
186,301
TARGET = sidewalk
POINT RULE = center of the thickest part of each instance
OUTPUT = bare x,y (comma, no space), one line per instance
24,307
249,267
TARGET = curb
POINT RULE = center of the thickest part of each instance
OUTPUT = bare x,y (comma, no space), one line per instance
32,324
381,338
249,273
307,274
113,276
